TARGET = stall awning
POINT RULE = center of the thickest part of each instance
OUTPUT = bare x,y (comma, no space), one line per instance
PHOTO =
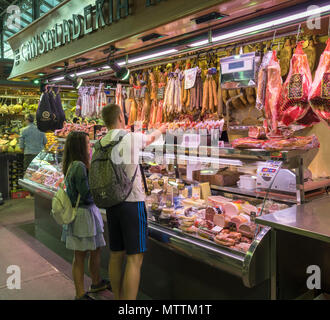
86,28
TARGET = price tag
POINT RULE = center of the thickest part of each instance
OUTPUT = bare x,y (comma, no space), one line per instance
232,226
168,203
154,206
181,186
190,78
173,180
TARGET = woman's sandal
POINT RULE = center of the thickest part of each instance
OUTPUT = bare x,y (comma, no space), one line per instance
103,285
84,297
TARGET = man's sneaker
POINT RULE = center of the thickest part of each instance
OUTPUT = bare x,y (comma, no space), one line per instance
103,285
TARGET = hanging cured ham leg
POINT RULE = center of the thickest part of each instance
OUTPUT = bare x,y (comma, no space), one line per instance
296,88
319,96
273,92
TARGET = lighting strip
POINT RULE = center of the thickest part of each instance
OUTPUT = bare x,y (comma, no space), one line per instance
57,79
265,25
82,72
119,64
154,55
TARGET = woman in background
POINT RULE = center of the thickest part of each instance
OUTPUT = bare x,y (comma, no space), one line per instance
85,233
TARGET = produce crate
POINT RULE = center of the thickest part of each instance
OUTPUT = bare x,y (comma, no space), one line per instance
19,194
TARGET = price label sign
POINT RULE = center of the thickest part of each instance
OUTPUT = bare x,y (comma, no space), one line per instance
154,206
181,186
168,203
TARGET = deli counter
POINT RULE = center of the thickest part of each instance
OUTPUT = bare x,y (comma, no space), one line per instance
188,192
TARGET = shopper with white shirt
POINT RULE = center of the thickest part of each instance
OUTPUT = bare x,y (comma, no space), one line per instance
127,221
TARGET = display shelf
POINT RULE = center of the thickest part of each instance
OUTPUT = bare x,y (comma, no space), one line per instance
33,97
252,193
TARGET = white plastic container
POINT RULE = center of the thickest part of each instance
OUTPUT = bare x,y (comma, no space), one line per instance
247,182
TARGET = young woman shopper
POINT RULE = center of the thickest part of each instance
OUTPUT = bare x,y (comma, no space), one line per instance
85,233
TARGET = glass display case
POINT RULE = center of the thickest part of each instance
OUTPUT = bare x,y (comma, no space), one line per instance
194,204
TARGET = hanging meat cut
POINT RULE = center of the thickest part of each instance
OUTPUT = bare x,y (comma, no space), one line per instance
319,96
295,91
273,92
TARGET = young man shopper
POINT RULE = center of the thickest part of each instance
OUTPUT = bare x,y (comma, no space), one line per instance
127,221
32,141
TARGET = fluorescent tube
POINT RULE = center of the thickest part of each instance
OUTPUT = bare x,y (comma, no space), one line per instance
273,23
265,25
154,55
58,78
82,72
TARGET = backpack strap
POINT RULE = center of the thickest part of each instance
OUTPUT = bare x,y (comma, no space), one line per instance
112,143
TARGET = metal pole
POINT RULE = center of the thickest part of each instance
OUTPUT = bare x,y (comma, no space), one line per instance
1,39
35,9
273,265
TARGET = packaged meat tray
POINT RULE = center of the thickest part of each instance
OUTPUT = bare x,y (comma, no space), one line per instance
247,143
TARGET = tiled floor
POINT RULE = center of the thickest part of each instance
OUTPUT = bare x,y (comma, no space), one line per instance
44,275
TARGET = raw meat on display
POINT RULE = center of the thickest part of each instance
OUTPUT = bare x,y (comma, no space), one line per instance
295,91
319,96
257,132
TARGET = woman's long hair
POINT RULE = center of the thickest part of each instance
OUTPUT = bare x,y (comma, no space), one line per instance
75,149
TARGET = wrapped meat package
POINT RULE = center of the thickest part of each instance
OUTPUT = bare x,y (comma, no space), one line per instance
247,143
319,96
295,91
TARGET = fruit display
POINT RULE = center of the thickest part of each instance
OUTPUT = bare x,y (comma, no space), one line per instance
18,108
94,130
52,143
9,136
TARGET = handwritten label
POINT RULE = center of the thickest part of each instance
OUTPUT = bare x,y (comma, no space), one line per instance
190,77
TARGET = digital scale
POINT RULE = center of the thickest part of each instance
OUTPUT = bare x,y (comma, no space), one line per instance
271,175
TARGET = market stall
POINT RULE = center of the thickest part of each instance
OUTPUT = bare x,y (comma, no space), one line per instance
239,100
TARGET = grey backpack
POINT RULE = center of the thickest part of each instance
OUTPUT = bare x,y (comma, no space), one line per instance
108,181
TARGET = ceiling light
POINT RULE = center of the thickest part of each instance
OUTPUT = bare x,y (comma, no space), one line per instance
119,63
82,72
41,74
76,81
151,36
273,23
120,72
58,68
209,17
58,78
199,43
265,25
154,55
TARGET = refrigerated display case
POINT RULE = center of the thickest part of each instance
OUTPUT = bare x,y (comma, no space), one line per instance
249,262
